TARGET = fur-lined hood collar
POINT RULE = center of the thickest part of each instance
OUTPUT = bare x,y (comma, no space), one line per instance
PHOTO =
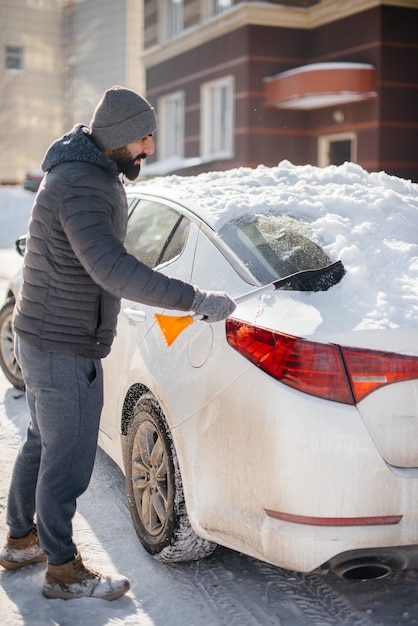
76,145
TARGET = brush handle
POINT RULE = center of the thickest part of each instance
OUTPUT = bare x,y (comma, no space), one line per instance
258,291
331,274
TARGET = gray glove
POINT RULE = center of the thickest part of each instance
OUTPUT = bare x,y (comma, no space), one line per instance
213,305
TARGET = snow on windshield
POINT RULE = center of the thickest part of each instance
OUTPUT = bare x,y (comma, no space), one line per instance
368,220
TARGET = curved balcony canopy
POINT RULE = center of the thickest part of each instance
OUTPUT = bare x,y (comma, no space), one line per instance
320,85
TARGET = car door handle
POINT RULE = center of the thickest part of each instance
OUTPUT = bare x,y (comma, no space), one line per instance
135,315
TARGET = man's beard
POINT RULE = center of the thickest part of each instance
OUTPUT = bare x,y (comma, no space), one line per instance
126,164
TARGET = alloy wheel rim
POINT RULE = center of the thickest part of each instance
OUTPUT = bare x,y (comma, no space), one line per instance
150,476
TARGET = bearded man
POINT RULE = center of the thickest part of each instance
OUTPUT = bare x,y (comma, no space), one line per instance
76,270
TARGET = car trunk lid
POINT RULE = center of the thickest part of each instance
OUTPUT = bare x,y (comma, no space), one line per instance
381,366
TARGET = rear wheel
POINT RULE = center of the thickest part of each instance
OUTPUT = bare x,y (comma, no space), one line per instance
8,361
155,490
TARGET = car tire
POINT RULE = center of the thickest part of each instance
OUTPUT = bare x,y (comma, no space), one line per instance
8,361
155,489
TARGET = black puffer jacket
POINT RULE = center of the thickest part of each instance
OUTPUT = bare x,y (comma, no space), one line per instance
76,268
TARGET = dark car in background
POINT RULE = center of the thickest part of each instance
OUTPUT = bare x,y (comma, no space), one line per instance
33,179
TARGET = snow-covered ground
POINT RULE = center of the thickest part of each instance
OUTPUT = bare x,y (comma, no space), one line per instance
228,588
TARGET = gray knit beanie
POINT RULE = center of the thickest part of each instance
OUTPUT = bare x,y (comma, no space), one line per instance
121,117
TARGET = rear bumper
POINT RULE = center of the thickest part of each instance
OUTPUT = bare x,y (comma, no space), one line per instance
302,457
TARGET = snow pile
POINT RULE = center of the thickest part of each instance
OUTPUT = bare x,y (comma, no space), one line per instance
368,220
305,191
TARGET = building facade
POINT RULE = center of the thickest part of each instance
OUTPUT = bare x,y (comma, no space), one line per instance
242,83
31,108
56,59
234,82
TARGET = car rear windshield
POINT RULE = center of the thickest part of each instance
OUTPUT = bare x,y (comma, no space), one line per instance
273,245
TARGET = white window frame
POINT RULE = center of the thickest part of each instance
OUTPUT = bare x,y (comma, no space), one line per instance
217,118
171,126
215,7
172,19
324,142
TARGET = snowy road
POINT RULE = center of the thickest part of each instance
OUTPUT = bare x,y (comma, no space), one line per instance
228,589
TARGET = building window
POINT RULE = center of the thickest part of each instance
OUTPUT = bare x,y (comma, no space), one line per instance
14,58
217,133
217,6
337,149
171,126
172,22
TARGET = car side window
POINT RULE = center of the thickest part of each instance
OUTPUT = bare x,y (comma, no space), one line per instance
156,233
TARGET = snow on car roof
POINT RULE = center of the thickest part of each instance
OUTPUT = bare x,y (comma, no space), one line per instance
306,191
368,220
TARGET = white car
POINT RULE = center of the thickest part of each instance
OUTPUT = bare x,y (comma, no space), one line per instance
284,433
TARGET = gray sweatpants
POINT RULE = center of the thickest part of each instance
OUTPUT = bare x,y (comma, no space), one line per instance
54,465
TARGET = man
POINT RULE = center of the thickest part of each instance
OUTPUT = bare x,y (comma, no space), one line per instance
76,269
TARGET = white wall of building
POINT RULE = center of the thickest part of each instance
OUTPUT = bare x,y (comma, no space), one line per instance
31,97
73,50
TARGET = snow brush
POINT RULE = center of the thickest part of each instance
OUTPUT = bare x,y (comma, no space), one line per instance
306,280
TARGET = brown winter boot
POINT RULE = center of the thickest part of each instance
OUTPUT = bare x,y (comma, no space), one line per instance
17,553
75,580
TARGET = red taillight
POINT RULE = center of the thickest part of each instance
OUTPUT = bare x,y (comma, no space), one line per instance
370,369
314,368
328,371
